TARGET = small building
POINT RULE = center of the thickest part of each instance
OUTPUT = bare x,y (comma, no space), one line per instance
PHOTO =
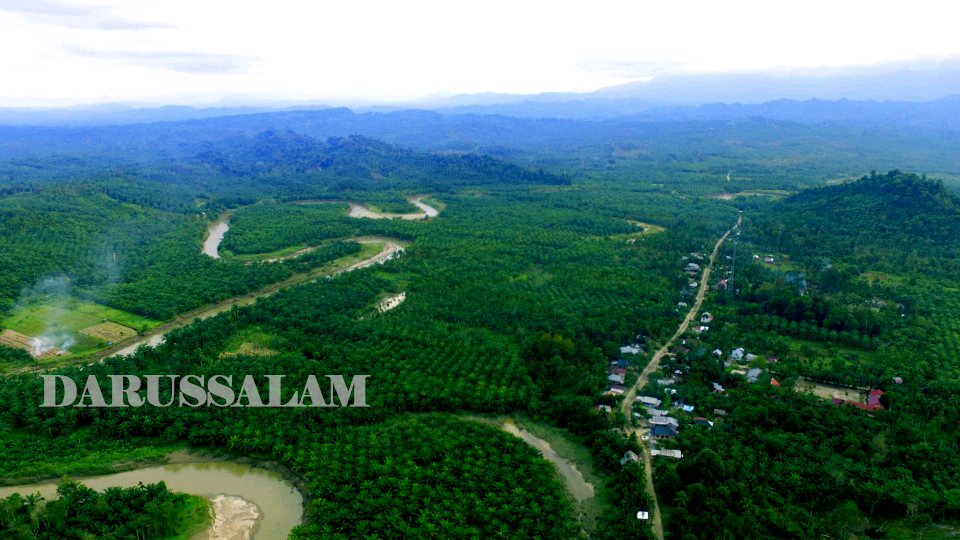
687,408
656,412
774,382
737,354
706,317
664,433
703,422
717,353
664,421
753,374
629,349
681,304
898,380
717,387
614,378
622,363
666,382
674,454
771,359
629,456
874,398
701,329
720,412
642,514
605,408
768,259
648,400
749,357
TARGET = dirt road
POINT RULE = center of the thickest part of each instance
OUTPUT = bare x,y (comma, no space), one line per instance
654,365
155,336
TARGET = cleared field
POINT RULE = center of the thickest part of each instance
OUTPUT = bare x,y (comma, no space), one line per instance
25,342
827,391
109,331
67,313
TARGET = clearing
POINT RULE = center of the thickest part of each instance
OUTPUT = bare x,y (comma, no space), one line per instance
827,391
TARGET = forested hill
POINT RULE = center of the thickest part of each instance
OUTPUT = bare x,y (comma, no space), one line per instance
280,164
360,163
895,221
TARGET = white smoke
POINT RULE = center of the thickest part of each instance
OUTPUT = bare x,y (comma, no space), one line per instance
54,291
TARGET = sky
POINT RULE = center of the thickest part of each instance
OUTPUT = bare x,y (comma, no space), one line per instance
61,53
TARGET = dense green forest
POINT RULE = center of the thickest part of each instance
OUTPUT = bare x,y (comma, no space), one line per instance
517,298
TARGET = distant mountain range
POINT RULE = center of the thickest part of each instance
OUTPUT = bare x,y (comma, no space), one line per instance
913,92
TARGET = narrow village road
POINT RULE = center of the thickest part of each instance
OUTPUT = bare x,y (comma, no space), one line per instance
654,365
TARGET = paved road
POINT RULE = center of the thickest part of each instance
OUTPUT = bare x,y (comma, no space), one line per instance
654,365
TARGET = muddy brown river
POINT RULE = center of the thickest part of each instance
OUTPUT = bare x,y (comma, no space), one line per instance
250,503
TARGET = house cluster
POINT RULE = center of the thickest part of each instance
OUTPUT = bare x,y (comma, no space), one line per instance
618,373
873,402
664,427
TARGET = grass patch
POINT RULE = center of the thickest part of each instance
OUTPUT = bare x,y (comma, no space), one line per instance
65,316
195,515
250,341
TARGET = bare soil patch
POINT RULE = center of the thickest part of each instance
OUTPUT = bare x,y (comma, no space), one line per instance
827,391
13,338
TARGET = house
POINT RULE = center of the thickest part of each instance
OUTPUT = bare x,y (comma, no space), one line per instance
775,382
620,371
681,304
664,421
874,398
629,456
768,259
648,400
643,514
737,354
687,408
675,454
701,329
693,266
629,349
621,363
704,422
605,408
706,317
719,412
656,412
693,284
717,387
666,382
865,406
663,433
898,380
614,390
614,378
750,357
722,284
717,353
753,374
771,359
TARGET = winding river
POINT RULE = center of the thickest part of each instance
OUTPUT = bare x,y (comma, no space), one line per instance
249,502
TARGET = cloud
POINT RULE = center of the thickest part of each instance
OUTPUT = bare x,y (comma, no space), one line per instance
184,62
72,16
631,69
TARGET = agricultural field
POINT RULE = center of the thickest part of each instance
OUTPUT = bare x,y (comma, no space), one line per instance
67,319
